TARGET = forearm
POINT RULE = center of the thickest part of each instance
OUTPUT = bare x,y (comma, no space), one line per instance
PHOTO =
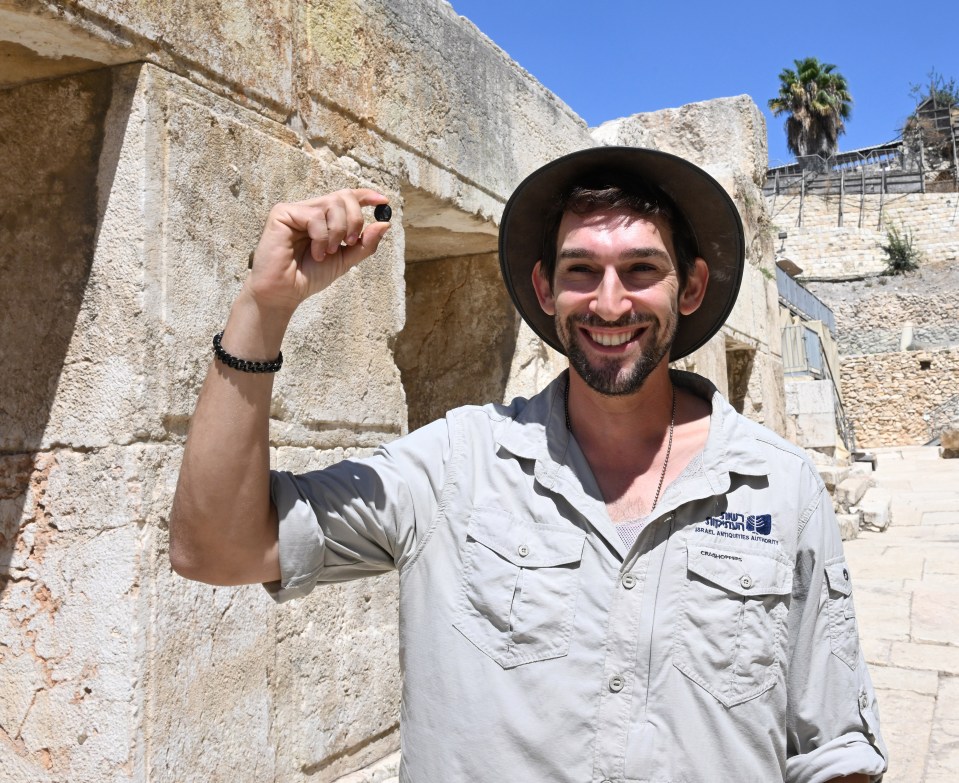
223,528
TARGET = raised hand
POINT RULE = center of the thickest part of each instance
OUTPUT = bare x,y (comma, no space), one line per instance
306,245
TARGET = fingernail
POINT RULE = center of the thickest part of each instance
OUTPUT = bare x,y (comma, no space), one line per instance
351,239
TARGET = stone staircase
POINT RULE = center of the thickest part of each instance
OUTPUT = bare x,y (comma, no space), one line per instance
859,504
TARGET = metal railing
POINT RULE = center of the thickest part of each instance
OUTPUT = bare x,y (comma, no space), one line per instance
800,300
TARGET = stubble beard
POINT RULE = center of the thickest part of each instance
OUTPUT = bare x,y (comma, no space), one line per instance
613,377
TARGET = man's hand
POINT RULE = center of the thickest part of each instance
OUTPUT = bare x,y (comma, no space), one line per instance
307,245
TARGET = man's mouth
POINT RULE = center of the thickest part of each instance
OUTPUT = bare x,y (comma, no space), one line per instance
612,340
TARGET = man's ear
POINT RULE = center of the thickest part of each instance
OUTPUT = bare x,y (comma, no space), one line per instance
544,289
692,295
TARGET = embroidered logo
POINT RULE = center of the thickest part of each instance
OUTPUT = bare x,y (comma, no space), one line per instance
756,527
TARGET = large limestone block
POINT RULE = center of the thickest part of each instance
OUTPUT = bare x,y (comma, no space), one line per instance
811,406
185,181
68,616
337,678
875,508
46,253
710,361
378,78
832,475
850,490
240,46
209,690
339,375
766,402
750,317
849,525
723,133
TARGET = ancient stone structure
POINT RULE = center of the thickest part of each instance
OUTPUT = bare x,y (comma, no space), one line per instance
890,396
143,145
832,248
897,335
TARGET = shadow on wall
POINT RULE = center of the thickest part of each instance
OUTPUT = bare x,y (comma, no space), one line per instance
460,335
51,140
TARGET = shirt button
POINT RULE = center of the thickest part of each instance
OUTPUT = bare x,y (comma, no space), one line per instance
845,574
523,550
746,581
863,701
629,581
616,683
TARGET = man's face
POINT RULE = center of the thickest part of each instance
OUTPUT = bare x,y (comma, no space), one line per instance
615,297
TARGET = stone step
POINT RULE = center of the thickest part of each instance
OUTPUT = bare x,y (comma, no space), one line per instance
851,490
848,526
833,475
876,508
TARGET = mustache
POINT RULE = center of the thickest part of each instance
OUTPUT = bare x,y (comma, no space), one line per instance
631,319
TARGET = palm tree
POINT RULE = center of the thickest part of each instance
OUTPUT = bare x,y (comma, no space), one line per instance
818,102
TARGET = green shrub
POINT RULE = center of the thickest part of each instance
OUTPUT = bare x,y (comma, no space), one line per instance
902,255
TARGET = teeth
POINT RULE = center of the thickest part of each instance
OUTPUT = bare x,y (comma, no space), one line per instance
612,339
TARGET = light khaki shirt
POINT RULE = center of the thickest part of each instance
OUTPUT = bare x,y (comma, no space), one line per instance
536,646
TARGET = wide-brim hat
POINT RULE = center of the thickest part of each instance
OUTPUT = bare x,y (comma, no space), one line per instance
710,213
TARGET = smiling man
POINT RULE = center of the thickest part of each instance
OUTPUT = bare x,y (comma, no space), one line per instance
619,579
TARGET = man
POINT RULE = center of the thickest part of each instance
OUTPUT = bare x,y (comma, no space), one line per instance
620,579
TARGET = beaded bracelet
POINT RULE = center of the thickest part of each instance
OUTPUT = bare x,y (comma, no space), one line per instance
242,364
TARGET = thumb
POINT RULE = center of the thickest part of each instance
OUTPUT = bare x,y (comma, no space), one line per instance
369,241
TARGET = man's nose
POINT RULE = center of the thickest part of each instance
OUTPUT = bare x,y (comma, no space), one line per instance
610,301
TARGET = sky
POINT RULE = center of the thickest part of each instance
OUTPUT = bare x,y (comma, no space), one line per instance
613,58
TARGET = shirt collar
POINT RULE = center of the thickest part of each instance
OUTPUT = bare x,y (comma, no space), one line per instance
539,431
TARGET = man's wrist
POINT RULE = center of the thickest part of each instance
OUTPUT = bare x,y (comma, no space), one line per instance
253,331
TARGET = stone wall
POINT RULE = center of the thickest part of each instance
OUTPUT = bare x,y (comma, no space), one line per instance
139,190
891,396
823,248
873,314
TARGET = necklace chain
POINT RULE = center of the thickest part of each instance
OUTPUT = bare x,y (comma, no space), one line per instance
669,444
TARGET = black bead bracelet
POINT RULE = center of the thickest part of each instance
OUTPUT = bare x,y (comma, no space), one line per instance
244,365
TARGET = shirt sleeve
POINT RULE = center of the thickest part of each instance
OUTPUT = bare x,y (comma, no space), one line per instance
832,725
358,517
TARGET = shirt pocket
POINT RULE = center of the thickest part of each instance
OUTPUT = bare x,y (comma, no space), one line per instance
519,588
730,637
843,632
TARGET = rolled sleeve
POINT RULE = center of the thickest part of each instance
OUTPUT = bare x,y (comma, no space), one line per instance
832,722
358,517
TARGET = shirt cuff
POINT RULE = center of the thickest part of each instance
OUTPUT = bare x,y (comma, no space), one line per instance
846,755
302,544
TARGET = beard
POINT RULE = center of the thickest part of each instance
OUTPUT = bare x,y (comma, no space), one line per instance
617,376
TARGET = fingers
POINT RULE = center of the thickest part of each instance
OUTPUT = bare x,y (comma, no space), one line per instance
337,219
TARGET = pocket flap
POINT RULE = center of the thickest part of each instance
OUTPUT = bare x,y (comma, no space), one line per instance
527,545
838,575
743,573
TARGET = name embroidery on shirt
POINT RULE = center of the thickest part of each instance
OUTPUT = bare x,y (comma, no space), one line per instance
751,527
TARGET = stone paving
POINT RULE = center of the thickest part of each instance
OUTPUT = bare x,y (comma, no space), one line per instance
906,582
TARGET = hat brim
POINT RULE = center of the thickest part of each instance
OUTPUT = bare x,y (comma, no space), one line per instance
709,211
